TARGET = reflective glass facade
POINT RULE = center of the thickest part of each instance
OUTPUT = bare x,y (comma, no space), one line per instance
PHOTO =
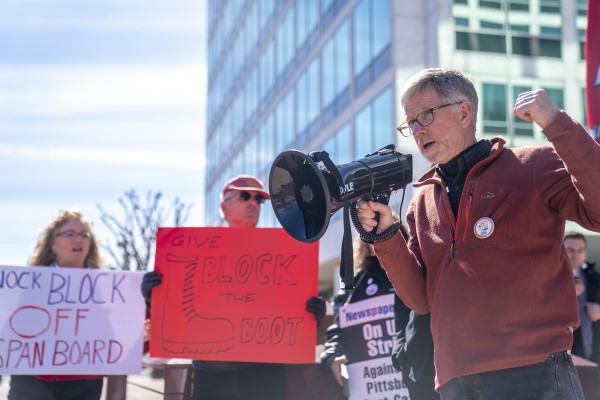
304,74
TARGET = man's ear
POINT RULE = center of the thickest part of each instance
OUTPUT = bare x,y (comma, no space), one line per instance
466,114
222,209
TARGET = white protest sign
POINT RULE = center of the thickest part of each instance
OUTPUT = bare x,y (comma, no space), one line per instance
70,321
368,331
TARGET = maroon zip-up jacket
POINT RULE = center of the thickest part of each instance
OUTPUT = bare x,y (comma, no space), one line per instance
502,297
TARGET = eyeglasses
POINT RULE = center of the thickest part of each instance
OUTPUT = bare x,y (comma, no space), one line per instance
245,196
425,118
70,234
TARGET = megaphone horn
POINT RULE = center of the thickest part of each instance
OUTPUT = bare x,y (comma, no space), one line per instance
307,189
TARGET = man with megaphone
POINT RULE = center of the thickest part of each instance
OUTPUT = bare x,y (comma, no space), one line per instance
485,255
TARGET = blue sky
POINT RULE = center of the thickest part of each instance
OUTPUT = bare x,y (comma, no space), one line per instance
97,97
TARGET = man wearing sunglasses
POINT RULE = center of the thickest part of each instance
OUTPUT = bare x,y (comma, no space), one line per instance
485,254
241,199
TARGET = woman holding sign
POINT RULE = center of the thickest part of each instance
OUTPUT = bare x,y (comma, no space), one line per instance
66,242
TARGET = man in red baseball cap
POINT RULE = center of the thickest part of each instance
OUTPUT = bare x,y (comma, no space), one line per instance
241,199
247,183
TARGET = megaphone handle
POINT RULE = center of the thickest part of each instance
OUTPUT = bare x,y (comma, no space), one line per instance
372,236
376,218
383,198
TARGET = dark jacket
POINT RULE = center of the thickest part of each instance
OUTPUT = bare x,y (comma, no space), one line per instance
413,352
371,274
592,294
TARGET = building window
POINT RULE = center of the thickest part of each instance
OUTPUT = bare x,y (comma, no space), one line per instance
307,14
285,45
557,96
519,5
267,76
491,43
335,68
461,22
267,9
494,109
519,28
252,166
550,48
329,9
325,4
252,90
582,7
464,41
550,6
491,25
286,125
550,31
268,144
372,53
373,125
497,4
495,112
339,146
521,45
308,107
581,34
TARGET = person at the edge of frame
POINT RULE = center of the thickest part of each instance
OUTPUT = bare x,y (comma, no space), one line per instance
68,241
485,254
586,338
241,199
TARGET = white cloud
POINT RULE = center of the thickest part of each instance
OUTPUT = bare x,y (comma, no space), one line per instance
114,156
71,90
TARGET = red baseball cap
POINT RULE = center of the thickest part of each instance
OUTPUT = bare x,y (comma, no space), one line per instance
245,182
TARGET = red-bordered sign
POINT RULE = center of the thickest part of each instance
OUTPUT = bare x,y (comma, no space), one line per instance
234,294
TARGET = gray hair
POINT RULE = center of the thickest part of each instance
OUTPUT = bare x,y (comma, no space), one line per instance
449,84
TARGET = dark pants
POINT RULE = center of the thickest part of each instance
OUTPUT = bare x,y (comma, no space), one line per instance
27,387
419,391
259,382
553,379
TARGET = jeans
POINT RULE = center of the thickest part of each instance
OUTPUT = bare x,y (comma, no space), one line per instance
553,379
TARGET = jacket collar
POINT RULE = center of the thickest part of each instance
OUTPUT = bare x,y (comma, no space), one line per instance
432,177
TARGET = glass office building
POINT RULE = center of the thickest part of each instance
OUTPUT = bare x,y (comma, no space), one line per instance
324,74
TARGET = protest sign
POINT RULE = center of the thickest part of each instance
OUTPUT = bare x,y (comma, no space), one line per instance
368,331
234,294
58,321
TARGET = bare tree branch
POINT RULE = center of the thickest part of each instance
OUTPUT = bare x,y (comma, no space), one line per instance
134,236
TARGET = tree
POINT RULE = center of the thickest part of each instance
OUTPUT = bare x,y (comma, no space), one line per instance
135,234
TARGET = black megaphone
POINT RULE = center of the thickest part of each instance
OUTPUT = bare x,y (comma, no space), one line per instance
307,189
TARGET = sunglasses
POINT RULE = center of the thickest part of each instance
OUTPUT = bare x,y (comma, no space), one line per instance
245,196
